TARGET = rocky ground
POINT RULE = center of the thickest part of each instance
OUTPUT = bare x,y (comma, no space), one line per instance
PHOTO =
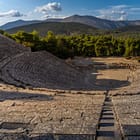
35,115
39,113
102,101
127,110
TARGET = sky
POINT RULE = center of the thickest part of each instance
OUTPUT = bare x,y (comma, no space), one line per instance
11,10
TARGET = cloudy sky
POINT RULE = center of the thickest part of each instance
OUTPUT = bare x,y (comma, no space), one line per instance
11,10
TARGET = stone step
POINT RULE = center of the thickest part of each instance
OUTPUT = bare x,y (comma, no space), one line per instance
106,130
109,122
106,133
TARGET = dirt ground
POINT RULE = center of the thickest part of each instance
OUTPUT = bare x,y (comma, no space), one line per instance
102,71
108,73
33,113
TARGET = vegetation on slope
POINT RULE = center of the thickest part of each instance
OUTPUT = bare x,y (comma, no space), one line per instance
79,45
56,27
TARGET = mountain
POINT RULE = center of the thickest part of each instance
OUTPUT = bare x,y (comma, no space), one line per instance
100,23
57,27
53,20
87,20
17,23
132,28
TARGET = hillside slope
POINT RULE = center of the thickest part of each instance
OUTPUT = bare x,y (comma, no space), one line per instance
87,20
43,70
128,29
96,22
21,67
57,28
17,23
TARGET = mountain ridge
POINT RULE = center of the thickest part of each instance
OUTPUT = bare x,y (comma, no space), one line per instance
67,28
18,23
87,20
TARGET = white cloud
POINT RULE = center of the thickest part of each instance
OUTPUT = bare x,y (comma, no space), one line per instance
50,7
11,13
135,9
120,7
118,12
122,17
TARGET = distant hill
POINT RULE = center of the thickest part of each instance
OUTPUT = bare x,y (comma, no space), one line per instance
132,28
87,20
17,23
96,22
131,31
100,23
57,27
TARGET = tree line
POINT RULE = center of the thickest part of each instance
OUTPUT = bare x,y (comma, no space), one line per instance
79,45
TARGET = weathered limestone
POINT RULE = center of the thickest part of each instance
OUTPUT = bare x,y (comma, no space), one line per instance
61,115
9,48
51,110
41,69
128,112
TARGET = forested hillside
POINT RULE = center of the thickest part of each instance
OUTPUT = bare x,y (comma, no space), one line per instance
57,27
65,46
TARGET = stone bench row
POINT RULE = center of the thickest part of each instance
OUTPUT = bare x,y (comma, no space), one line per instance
127,109
50,117
41,71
